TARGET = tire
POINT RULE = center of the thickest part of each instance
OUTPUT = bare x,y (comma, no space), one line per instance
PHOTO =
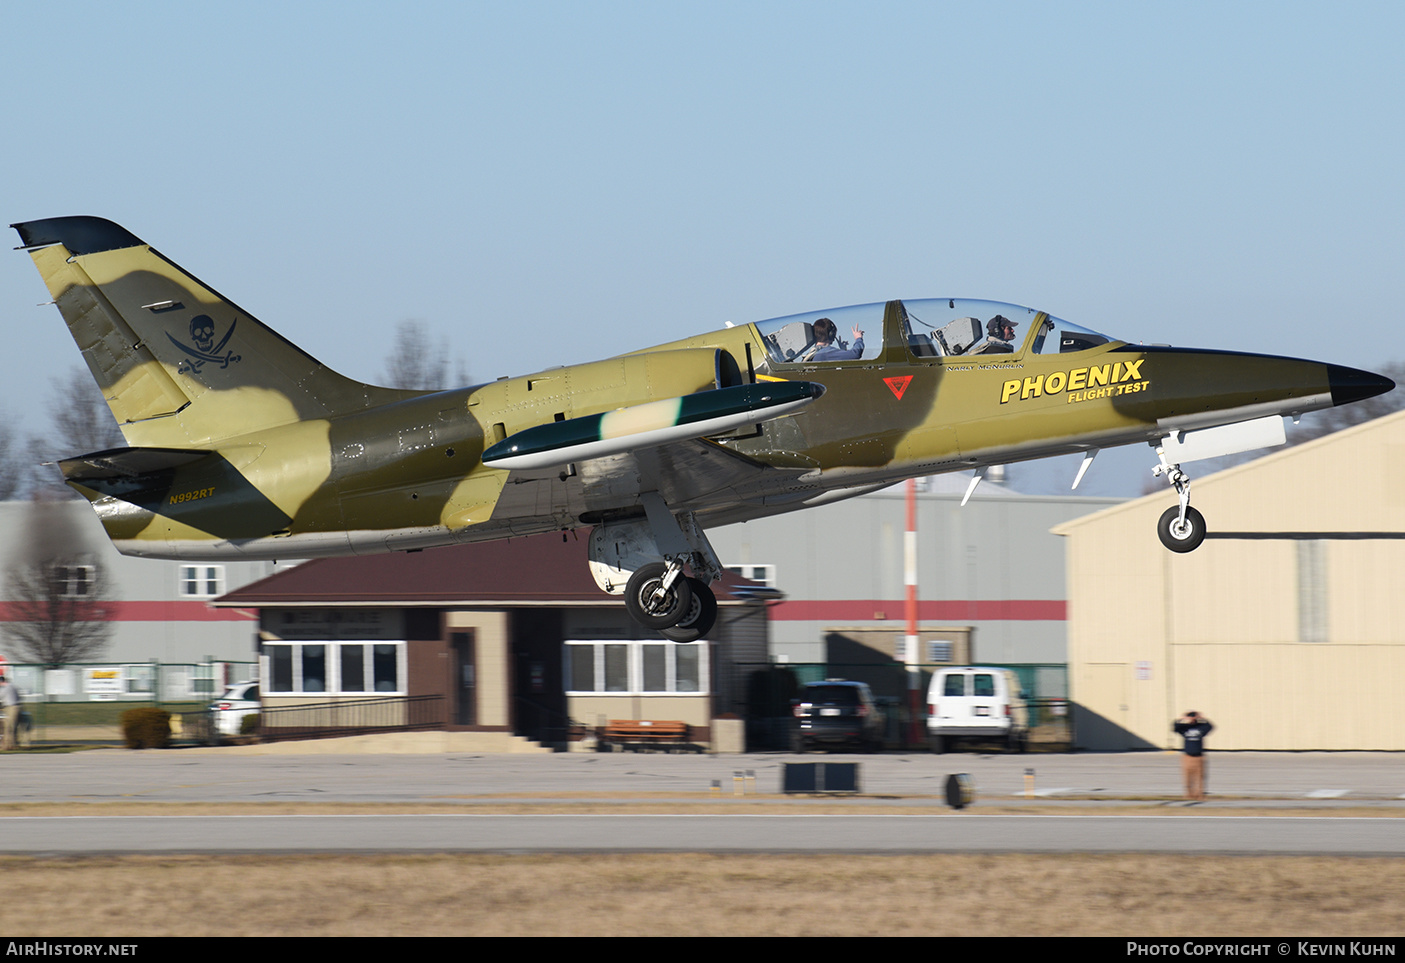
1181,538
937,744
701,616
797,744
656,614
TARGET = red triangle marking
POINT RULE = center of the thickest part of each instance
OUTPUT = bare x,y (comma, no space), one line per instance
897,385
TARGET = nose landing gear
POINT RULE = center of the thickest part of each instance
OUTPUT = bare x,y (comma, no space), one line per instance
1180,529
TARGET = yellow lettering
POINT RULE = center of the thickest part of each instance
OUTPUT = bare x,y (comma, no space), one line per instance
1098,376
1077,379
1033,387
1010,388
1133,372
1055,383
191,496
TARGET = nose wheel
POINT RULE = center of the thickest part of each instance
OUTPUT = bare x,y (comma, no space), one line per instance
1181,534
1180,529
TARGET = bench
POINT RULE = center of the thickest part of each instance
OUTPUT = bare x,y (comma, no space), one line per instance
643,734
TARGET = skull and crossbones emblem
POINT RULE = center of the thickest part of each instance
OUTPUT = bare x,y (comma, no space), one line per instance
204,348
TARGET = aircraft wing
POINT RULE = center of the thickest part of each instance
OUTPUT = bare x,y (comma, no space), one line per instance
607,460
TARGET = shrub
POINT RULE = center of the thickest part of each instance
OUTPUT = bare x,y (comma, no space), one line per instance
249,725
146,728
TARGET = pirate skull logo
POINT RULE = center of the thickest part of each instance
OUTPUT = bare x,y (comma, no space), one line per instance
202,332
203,347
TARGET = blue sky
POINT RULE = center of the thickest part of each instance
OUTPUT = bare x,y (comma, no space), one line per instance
547,183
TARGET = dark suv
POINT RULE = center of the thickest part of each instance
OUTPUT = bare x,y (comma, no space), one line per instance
836,712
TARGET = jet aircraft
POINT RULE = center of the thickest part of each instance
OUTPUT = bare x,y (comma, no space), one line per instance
241,445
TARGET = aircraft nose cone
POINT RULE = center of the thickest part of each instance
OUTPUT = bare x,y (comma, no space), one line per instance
1353,384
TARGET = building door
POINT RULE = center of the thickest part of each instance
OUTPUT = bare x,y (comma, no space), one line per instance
465,681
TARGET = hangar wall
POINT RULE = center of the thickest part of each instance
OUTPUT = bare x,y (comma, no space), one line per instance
1286,627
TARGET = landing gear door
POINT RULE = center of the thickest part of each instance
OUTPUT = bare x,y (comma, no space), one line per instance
617,550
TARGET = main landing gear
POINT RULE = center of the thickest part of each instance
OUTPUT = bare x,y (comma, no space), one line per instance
1180,529
624,559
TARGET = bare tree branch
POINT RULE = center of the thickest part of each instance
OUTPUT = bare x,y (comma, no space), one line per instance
58,593
59,610
81,420
14,474
415,362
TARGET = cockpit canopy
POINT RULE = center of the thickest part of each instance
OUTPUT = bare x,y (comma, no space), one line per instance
932,328
843,334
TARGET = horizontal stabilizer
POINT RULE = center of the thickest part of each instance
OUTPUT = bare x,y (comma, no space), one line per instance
126,463
653,423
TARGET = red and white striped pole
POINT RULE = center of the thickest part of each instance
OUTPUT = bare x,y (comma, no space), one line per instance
911,655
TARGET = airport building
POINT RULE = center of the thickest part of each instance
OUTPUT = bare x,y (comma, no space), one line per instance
1286,628
510,637
517,639
991,569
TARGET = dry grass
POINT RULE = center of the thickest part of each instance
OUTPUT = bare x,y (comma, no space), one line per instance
702,894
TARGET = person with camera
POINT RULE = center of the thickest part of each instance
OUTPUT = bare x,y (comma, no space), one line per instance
1193,728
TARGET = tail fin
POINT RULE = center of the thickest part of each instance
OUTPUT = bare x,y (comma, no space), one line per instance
179,365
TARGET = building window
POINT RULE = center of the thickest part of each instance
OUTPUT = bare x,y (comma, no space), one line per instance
609,668
201,581
141,679
335,668
938,651
73,581
765,574
202,680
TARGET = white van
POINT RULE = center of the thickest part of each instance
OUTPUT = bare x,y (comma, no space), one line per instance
977,703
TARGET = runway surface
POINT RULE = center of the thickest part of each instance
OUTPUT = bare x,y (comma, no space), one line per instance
1087,790
782,833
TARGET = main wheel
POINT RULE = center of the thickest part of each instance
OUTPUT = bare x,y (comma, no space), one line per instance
700,618
1178,536
702,610
652,607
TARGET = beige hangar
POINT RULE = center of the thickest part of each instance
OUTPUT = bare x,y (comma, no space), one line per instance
1286,628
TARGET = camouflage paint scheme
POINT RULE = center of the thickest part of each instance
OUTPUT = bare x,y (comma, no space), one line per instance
242,445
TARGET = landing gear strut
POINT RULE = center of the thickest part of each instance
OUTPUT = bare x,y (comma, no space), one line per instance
1180,529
